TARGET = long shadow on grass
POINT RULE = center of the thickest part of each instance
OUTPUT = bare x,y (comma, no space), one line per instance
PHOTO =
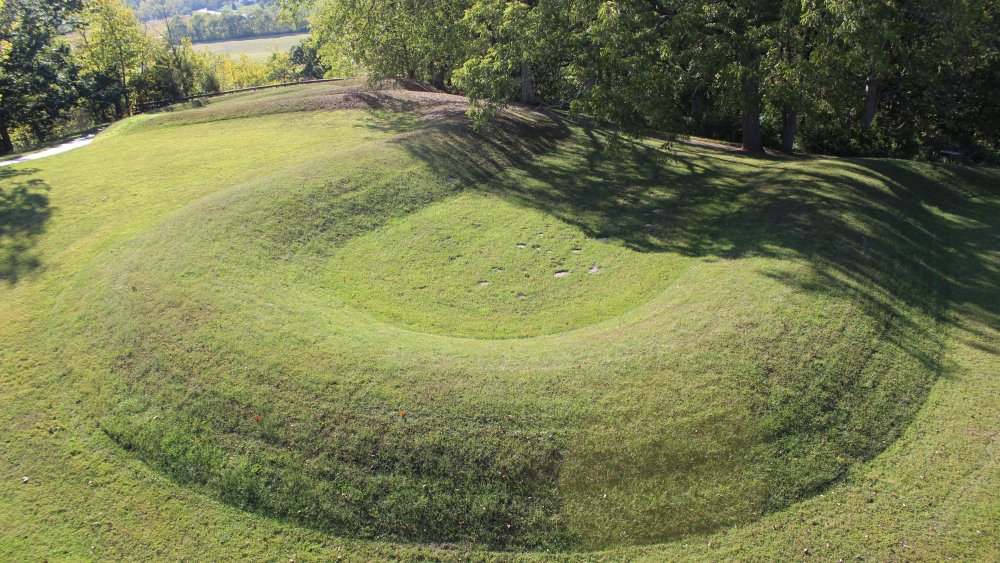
876,228
885,235
24,211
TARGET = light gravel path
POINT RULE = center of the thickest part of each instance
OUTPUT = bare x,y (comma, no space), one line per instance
67,146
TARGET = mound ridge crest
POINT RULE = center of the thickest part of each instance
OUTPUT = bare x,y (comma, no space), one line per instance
259,332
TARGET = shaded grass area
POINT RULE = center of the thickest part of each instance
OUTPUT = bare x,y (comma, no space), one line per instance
24,210
799,343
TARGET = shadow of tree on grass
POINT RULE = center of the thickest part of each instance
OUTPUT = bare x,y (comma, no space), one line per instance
885,230
888,236
24,212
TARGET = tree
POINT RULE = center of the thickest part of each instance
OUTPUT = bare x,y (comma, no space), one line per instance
176,71
870,37
791,77
600,58
902,78
37,75
306,60
506,50
5,30
731,39
114,45
843,76
619,71
414,39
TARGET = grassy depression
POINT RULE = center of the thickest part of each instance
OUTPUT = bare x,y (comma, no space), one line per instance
480,266
346,317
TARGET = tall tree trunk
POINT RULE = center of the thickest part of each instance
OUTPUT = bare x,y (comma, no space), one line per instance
751,116
437,75
697,109
527,85
789,126
871,101
6,145
411,72
126,105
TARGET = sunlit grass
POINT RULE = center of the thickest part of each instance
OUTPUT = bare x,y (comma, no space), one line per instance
253,330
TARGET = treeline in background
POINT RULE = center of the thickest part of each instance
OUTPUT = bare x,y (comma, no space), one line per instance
231,24
212,20
901,78
147,10
904,78
68,65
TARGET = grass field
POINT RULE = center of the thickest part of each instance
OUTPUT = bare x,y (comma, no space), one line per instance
318,322
257,48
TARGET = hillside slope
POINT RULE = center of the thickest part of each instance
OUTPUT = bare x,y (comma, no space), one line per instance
323,321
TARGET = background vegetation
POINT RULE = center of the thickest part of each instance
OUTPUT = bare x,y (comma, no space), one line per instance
865,77
148,10
70,65
232,24
914,79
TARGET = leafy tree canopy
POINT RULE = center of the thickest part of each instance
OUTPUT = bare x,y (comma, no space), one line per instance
37,74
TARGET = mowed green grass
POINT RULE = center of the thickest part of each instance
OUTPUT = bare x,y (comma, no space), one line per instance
259,329
256,48
479,266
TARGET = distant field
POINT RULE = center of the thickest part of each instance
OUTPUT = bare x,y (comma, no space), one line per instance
257,48
155,28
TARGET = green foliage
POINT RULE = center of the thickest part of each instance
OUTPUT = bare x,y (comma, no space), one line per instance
841,76
176,71
926,69
113,54
148,10
847,76
6,28
255,22
306,60
123,67
37,74
416,39
113,66
620,72
244,72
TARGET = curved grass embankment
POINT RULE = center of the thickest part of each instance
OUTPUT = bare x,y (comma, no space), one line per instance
286,319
